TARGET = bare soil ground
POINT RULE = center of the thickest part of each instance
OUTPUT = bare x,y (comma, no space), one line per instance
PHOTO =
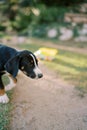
47,104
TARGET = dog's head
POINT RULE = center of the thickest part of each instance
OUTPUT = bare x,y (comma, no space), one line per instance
27,62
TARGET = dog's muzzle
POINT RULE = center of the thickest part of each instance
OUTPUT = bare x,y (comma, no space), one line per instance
38,73
33,76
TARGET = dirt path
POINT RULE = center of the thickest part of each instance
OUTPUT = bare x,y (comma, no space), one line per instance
47,104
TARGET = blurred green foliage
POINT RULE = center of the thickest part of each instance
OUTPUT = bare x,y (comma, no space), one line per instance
28,17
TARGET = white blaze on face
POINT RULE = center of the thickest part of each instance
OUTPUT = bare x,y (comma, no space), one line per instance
37,71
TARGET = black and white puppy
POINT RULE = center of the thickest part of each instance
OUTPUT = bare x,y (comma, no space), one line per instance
12,61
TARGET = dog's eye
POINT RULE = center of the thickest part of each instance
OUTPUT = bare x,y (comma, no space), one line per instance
31,61
31,64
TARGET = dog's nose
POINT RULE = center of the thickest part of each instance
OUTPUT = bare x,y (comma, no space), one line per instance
40,75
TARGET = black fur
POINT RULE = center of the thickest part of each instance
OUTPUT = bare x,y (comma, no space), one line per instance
12,60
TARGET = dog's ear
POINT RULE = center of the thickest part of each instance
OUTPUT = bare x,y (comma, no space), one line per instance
12,66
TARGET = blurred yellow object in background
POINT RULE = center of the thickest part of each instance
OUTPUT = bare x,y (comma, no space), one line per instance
46,53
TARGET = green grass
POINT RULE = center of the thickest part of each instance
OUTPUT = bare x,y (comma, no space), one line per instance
5,79
71,66
69,43
31,46
5,110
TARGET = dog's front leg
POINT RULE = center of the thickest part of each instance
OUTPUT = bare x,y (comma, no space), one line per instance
3,96
12,83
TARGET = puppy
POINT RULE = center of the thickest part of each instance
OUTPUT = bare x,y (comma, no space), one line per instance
12,61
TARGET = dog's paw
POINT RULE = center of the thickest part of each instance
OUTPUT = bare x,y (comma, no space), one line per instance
4,98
